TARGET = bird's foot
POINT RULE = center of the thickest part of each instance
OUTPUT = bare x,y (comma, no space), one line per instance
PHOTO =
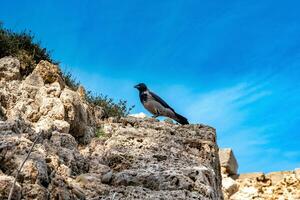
154,116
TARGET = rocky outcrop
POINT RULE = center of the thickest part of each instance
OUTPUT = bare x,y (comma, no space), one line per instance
43,100
9,69
228,162
81,156
229,168
153,160
260,186
275,185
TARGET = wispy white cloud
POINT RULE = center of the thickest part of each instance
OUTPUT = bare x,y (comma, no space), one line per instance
225,108
229,110
246,125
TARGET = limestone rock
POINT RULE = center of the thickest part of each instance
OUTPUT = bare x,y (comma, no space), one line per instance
34,191
99,115
34,80
131,158
228,161
49,72
154,160
271,186
43,100
276,177
64,140
297,172
262,188
255,175
245,193
76,112
61,126
9,69
81,92
229,187
34,170
5,186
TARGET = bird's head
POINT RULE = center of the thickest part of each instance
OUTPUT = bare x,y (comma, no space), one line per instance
141,87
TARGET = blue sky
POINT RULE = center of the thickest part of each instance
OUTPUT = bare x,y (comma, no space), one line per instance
233,64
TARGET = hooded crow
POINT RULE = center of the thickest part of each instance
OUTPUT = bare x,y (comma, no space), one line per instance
158,107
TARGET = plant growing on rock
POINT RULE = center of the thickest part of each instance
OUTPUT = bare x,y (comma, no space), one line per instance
22,46
100,133
70,80
112,109
30,53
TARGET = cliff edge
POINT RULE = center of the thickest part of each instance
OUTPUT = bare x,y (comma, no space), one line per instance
82,155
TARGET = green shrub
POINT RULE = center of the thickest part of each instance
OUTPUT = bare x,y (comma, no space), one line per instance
100,133
21,45
112,109
70,80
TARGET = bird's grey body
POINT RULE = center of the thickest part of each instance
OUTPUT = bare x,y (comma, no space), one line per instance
154,107
157,106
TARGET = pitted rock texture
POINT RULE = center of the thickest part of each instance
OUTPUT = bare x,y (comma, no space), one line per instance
80,155
228,162
146,159
43,100
9,69
272,186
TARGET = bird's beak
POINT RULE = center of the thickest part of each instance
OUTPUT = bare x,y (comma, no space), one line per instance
136,86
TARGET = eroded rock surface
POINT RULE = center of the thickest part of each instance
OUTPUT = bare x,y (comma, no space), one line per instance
282,185
43,100
81,156
228,162
153,159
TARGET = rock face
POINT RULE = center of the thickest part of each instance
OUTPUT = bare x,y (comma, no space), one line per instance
272,186
144,158
43,100
9,69
80,156
229,169
228,162
275,185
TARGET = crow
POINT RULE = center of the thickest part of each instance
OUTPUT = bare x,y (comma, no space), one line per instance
156,106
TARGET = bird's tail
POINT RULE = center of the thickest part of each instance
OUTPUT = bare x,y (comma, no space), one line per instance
180,119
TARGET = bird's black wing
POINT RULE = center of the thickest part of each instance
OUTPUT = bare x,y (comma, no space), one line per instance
161,101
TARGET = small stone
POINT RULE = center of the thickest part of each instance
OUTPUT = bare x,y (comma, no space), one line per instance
229,186
61,126
106,178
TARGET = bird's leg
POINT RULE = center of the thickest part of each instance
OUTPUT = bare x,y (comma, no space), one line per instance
156,114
